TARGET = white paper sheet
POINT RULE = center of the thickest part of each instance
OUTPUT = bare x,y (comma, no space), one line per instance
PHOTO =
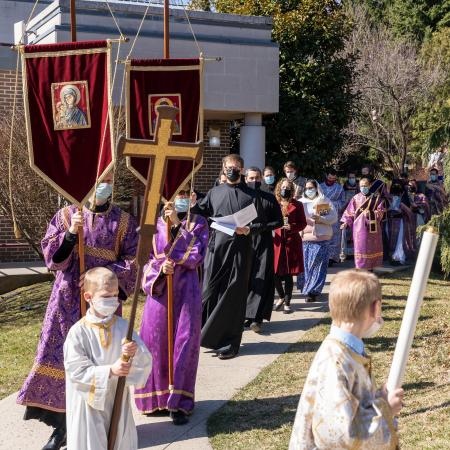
225,228
240,219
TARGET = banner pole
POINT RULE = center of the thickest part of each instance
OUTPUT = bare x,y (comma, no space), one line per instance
73,36
73,21
169,276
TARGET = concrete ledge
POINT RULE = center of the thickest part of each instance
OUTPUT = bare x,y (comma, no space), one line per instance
14,276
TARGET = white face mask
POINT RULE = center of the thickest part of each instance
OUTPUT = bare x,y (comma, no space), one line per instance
374,328
290,175
106,306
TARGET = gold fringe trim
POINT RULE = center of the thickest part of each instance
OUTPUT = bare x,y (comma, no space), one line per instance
48,371
122,229
102,253
368,255
166,391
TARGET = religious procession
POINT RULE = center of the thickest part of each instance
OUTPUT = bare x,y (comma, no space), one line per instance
224,224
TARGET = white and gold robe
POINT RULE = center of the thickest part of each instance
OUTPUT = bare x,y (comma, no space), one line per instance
339,407
90,349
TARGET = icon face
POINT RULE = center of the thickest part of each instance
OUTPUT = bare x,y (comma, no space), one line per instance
155,100
70,103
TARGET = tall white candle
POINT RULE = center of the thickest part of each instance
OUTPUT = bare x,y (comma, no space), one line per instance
412,309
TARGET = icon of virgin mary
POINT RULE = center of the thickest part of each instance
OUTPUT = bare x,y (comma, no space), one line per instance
68,113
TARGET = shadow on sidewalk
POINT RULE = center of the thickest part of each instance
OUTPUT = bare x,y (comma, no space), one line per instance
286,326
160,430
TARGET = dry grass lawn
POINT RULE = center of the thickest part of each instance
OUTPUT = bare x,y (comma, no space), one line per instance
261,415
21,315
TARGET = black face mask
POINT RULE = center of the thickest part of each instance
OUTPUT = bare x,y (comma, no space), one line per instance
285,193
232,174
254,184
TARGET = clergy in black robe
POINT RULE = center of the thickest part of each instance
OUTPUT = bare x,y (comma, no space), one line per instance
227,264
262,280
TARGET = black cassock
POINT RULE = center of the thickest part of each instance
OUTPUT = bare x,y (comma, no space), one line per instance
262,284
226,269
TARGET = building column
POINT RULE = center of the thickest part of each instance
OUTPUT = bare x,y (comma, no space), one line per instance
253,141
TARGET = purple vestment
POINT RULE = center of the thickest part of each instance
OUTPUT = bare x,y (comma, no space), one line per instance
368,246
335,193
187,251
110,241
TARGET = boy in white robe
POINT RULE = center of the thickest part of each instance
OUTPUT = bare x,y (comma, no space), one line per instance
339,407
92,362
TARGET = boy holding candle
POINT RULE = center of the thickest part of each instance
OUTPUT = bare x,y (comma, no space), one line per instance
339,406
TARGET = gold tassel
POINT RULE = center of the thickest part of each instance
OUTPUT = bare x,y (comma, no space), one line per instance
17,232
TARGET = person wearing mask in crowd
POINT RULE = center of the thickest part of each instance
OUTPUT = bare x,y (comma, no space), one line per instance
437,161
180,257
419,204
262,285
350,187
288,244
291,172
378,187
364,214
335,193
320,216
269,181
227,263
222,178
401,228
435,192
110,240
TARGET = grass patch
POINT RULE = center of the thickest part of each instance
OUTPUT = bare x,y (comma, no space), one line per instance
261,414
21,314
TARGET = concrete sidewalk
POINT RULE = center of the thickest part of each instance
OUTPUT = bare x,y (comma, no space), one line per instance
217,382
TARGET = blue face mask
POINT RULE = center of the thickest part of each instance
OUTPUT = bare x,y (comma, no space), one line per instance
364,190
433,177
103,191
269,179
182,204
352,181
310,193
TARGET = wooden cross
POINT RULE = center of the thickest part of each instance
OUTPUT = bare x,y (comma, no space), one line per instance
160,150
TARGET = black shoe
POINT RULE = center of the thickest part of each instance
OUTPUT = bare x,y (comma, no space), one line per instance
57,439
310,298
158,413
179,417
228,354
247,323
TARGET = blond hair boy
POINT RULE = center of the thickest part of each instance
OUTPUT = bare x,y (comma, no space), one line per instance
339,406
92,359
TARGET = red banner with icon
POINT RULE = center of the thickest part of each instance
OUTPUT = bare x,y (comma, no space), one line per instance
66,90
173,82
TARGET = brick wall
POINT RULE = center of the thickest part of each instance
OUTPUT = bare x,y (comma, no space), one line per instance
7,82
212,157
12,249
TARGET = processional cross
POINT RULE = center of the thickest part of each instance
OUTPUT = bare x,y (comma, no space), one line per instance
160,150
